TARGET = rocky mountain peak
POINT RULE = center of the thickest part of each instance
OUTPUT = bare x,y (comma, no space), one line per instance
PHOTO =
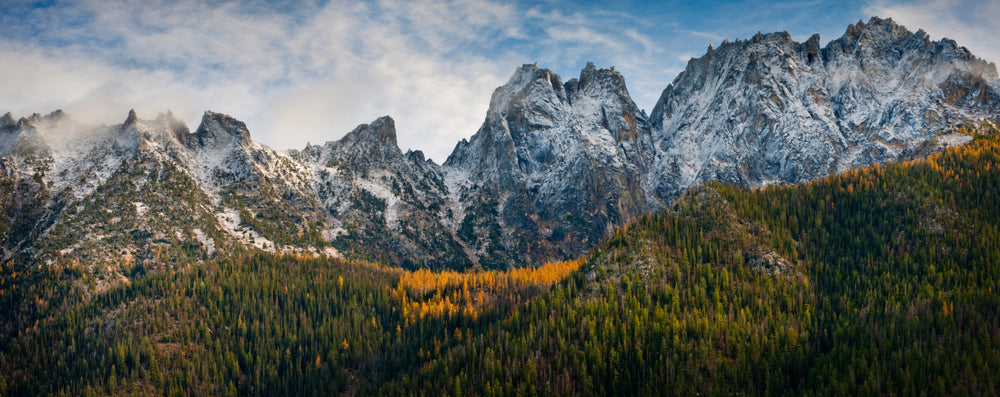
532,102
9,130
131,119
885,39
812,49
601,95
534,120
35,118
56,116
219,129
875,28
174,125
529,82
554,164
38,120
770,110
381,132
416,156
862,38
591,74
775,38
596,82
528,73
369,144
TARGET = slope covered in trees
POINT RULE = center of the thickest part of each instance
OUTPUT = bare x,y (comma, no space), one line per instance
881,280
877,281
256,324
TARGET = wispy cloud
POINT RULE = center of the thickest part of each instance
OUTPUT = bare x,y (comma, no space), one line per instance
294,78
711,36
301,71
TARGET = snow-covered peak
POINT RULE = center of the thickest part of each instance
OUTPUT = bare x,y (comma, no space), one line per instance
770,109
601,97
886,40
381,132
218,130
535,122
877,29
524,75
174,126
528,113
132,118
9,131
47,121
556,164
368,144
529,82
596,82
36,134
7,120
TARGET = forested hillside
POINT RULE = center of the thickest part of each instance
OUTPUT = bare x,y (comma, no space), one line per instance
876,281
880,280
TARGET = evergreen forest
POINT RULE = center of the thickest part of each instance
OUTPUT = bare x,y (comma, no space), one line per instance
881,280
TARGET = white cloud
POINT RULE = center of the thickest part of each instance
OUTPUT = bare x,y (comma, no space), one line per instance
381,67
710,36
91,92
292,79
312,75
580,35
313,71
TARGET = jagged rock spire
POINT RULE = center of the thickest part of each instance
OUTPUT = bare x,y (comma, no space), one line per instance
132,118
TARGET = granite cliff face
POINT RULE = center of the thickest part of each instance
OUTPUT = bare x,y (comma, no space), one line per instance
553,169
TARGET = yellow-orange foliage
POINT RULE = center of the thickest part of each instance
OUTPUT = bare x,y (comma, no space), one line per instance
425,293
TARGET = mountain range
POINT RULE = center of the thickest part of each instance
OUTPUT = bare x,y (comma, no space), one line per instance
555,167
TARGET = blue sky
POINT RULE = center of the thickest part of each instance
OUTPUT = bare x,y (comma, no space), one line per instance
301,71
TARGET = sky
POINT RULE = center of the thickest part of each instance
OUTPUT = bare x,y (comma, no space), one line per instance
310,71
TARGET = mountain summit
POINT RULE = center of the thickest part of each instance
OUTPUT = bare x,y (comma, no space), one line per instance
556,165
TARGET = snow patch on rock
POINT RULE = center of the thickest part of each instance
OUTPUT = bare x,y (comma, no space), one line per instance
207,242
